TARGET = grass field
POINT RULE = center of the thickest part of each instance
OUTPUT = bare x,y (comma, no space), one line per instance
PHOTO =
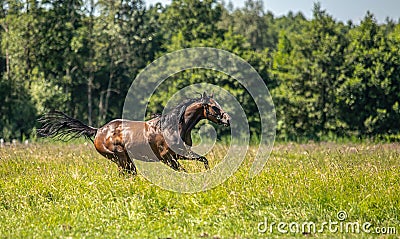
69,191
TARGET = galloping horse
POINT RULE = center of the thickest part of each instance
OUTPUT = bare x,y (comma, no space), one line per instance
116,138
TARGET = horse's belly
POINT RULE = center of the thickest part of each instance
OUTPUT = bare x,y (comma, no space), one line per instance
137,141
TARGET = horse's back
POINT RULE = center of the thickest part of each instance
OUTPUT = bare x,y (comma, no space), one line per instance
141,139
117,134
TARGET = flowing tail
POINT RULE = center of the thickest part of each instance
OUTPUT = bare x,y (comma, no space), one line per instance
60,126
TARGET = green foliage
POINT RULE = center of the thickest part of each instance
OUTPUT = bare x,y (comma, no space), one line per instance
18,112
370,93
186,21
329,80
307,66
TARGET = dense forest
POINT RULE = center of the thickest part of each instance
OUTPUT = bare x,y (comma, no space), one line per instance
328,79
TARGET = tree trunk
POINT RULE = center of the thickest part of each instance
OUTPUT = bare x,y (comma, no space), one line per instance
89,98
5,27
108,93
91,64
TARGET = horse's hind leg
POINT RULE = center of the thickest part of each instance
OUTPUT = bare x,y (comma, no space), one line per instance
118,156
125,163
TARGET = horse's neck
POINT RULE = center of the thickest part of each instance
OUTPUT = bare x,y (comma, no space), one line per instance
191,118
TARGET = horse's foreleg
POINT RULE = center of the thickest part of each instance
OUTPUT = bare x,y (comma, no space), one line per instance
205,161
173,162
193,156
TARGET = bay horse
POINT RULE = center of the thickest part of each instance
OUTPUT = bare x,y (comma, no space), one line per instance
168,136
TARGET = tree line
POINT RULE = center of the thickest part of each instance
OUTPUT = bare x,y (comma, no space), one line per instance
327,78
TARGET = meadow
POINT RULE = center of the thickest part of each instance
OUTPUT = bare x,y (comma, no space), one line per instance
69,191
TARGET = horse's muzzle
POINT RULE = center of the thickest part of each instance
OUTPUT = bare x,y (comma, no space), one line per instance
226,120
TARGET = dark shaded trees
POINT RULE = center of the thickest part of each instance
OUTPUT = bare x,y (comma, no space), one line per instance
307,66
369,96
327,78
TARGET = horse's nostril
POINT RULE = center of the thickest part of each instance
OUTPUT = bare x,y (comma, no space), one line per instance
227,123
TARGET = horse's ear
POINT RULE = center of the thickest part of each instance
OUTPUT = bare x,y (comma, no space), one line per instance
181,115
205,99
212,95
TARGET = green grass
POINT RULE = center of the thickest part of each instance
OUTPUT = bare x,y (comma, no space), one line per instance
70,191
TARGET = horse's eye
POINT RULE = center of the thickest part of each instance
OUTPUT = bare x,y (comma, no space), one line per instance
215,108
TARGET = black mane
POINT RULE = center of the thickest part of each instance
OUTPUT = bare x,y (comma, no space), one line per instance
169,120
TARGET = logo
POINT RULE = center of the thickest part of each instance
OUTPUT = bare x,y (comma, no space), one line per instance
153,76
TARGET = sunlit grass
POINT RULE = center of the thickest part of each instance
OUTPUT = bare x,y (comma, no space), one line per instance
68,190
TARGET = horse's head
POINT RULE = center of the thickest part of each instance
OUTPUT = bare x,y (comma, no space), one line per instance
213,111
